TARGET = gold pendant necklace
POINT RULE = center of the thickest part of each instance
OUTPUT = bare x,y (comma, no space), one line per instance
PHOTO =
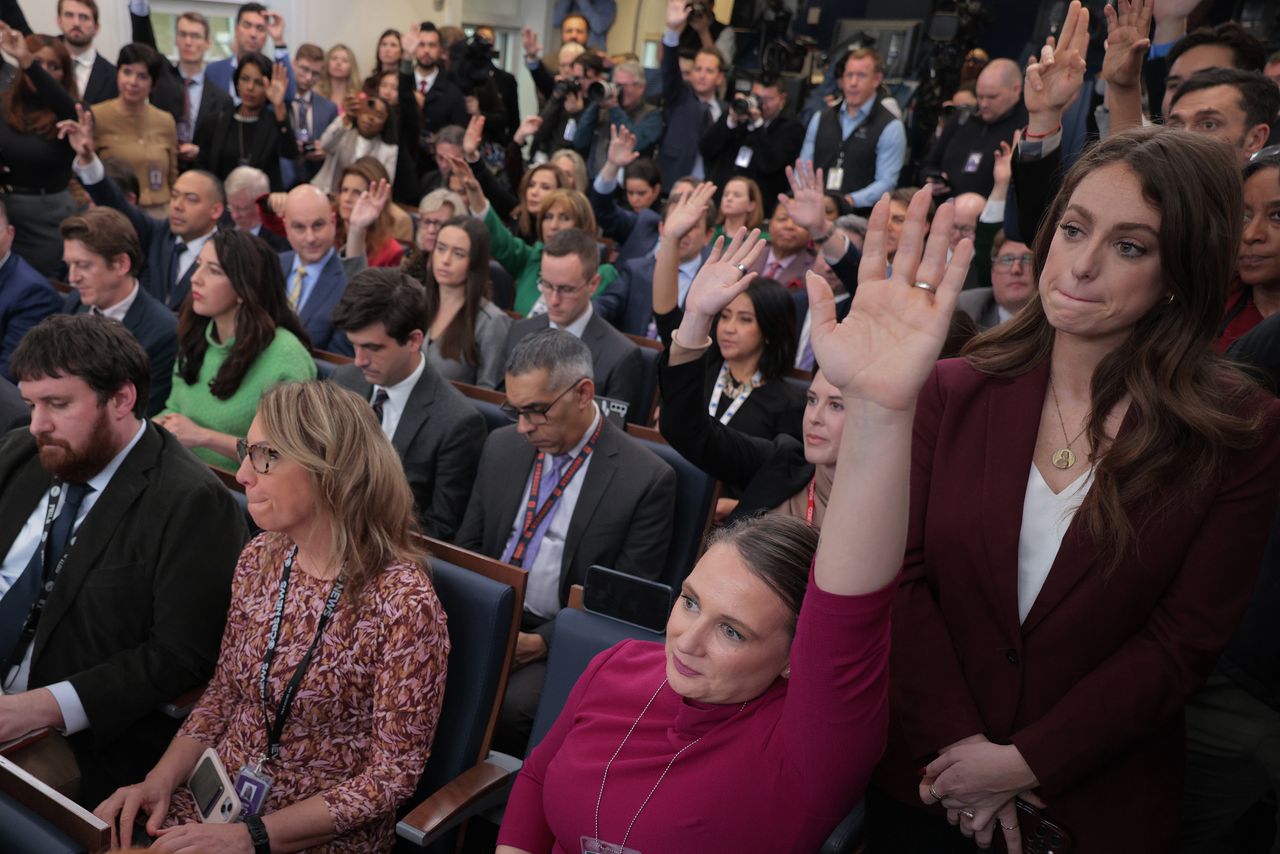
1063,458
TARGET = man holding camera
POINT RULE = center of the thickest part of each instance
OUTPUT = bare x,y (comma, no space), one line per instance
705,31
565,100
689,107
753,139
618,102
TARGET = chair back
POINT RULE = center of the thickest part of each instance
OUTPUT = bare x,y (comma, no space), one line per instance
650,355
35,818
579,637
696,494
324,369
501,286
487,402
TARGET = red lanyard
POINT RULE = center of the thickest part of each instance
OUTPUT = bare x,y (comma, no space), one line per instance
533,515
808,516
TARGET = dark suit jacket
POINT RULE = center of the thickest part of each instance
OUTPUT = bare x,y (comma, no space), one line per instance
158,244
628,302
619,367
220,73
443,105
635,232
439,439
156,329
26,298
102,82
773,148
13,411
622,519
980,304
323,114
317,312
168,91
1090,687
136,615
682,117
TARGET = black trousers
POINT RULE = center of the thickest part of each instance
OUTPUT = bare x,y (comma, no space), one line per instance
520,703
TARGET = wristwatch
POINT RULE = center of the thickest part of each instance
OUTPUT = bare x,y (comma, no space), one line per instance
258,834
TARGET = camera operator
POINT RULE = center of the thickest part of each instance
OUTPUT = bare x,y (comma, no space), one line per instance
704,31
617,102
542,79
753,139
566,101
503,79
962,159
471,66
689,106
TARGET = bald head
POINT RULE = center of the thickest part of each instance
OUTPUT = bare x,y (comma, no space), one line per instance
968,208
309,222
999,89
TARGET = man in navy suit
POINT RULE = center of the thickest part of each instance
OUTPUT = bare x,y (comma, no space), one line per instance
688,108
628,302
170,246
314,277
26,297
253,24
95,76
310,113
180,89
103,255
635,232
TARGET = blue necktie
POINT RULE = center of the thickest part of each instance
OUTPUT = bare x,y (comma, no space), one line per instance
17,602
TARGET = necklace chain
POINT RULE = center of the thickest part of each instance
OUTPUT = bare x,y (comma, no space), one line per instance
1065,454
605,779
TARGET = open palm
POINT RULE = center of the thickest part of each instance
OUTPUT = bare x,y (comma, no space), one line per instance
1128,24
884,350
1054,79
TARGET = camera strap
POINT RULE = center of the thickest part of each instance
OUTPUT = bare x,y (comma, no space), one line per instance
274,730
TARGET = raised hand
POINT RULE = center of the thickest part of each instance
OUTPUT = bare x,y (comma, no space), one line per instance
14,44
367,209
470,186
527,128
529,39
1002,172
804,205
78,133
278,86
1128,26
473,137
1055,77
723,276
688,211
275,27
884,350
622,146
677,14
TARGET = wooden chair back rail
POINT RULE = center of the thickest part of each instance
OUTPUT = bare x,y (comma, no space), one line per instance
503,573
331,358
474,392
641,341
799,374
649,433
228,478
77,823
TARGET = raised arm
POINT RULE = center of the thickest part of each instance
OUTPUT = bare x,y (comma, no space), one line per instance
681,219
48,90
1128,23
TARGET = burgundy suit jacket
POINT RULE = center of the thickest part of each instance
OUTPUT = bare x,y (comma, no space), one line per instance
1091,687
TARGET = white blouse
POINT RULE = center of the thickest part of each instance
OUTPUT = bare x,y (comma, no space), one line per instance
1046,515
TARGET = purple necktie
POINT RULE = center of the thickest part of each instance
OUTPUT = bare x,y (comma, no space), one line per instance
550,477
806,361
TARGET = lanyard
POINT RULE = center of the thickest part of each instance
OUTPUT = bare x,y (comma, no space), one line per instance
286,700
738,399
32,622
808,514
533,515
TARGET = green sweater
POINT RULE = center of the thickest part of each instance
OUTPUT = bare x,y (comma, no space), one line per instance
284,359
524,262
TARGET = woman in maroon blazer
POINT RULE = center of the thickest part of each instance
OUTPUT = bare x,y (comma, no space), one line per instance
1091,490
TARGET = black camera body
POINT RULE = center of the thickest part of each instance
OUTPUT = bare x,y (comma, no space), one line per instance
568,86
699,9
744,103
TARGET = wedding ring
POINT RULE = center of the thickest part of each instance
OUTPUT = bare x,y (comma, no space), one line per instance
967,814
925,286
933,794
1003,826
742,268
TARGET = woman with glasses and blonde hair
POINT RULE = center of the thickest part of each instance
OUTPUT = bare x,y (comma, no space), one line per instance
328,687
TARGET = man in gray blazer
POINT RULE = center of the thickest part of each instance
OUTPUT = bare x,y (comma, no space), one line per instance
435,430
599,498
570,275
1012,285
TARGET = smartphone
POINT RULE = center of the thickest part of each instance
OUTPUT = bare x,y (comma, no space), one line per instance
215,797
1041,834
635,601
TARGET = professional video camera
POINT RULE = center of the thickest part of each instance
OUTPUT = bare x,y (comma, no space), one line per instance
472,62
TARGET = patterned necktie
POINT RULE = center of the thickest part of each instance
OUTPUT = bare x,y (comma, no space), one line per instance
772,269
175,266
187,123
380,398
295,291
806,360
17,602
550,477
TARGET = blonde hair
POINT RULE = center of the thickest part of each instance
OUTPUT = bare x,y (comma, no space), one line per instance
579,173
361,491
325,84
754,195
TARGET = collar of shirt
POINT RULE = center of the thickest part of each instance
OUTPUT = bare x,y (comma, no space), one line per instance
578,326
861,113
1003,313
86,59
784,262
398,394
430,79
582,440
5,259
310,278
684,275
100,480
120,309
192,252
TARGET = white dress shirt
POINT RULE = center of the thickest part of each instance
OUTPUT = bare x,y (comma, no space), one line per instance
1045,519
120,309
84,68
15,562
191,253
430,79
542,592
578,326
397,398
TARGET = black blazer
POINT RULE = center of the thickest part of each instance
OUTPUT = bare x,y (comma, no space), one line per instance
266,141
156,329
774,147
135,618
158,245
622,520
102,82
13,411
619,367
168,92
765,471
439,439
444,104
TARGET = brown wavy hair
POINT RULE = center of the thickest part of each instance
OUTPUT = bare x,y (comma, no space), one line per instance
1190,408
359,481
23,109
253,269
372,171
528,225
459,338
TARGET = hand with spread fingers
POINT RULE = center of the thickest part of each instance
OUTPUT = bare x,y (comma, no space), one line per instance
1128,23
722,277
884,350
1055,77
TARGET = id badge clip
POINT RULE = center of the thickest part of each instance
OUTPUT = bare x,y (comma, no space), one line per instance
835,178
598,846
252,785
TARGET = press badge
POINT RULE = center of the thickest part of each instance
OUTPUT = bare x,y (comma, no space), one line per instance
596,846
743,160
155,177
835,178
975,160
252,786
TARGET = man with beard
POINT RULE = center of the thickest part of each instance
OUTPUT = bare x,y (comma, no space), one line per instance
118,548
439,98
95,76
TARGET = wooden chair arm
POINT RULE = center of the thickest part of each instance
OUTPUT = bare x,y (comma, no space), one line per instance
26,740
179,707
476,789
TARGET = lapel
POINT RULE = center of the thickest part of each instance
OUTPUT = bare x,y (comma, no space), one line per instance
29,482
594,337
1013,419
98,529
509,493
329,278
416,411
594,488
